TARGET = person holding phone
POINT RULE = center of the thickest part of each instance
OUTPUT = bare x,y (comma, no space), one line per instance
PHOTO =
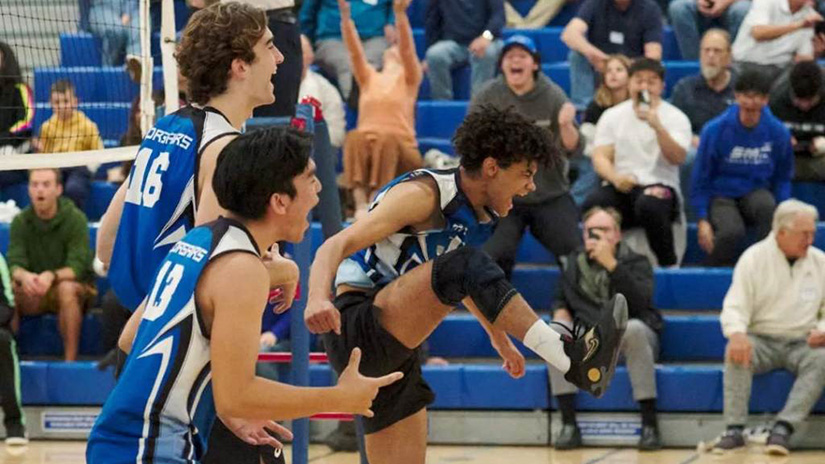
638,148
590,275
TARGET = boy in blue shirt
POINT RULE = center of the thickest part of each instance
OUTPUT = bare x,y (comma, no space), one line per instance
743,169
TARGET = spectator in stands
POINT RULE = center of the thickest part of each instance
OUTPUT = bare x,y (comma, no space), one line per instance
475,38
117,24
590,277
383,145
690,18
708,94
612,91
603,27
70,130
549,211
774,34
373,20
318,87
639,146
50,258
774,318
17,115
743,169
540,14
799,101
10,400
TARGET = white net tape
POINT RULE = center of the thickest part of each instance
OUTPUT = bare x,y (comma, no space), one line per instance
65,160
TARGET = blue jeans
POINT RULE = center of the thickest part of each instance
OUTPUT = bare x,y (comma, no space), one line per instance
587,180
117,40
77,183
445,55
688,24
582,79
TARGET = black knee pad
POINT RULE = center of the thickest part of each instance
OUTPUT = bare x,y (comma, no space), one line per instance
471,272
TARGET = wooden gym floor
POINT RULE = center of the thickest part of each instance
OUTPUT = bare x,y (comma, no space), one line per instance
72,452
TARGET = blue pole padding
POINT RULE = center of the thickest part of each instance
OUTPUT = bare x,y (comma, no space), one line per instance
300,348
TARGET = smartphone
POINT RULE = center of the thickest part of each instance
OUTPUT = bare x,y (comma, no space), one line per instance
819,28
592,233
644,97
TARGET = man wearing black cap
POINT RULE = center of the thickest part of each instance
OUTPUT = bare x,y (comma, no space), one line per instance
549,211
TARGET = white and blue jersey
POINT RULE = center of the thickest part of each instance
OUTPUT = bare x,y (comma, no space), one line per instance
161,410
160,203
404,250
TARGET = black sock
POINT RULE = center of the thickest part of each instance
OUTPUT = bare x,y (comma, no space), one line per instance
736,427
785,428
648,412
567,406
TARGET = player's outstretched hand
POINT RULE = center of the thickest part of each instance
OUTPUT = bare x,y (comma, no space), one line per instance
513,359
359,391
321,316
256,432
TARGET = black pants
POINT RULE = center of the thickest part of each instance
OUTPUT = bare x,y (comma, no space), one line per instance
9,379
730,218
653,214
113,319
554,223
287,81
225,448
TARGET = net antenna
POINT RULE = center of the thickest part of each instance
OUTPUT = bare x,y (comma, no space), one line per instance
168,44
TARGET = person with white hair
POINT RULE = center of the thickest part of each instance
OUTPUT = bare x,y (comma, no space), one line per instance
774,318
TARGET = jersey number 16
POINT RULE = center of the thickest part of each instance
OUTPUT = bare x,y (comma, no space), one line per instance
144,187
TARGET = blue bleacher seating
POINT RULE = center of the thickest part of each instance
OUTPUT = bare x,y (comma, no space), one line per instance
112,119
93,84
681,388
79,49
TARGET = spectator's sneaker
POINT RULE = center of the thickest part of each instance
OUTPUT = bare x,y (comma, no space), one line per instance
778,442
593,355
16,435
649,439
730,441
570,437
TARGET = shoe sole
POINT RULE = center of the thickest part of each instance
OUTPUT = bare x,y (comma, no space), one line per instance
17,441
776,450
723,452
620,320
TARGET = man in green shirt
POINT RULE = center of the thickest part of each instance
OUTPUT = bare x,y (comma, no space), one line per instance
50,258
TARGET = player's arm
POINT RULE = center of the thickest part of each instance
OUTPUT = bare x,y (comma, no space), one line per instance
235,332
408,203
107,231
513,359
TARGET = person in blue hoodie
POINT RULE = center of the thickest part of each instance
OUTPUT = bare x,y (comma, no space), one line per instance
743,168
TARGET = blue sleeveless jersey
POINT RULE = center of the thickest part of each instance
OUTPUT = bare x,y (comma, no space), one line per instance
404,250
162,410
160,206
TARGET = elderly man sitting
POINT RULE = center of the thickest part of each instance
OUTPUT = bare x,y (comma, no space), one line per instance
774,318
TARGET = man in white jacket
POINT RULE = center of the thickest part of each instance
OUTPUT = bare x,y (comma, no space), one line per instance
774,318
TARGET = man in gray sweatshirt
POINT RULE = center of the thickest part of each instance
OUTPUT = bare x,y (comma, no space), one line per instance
549,211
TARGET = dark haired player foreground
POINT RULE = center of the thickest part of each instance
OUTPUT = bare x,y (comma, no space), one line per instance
414,257
197,343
